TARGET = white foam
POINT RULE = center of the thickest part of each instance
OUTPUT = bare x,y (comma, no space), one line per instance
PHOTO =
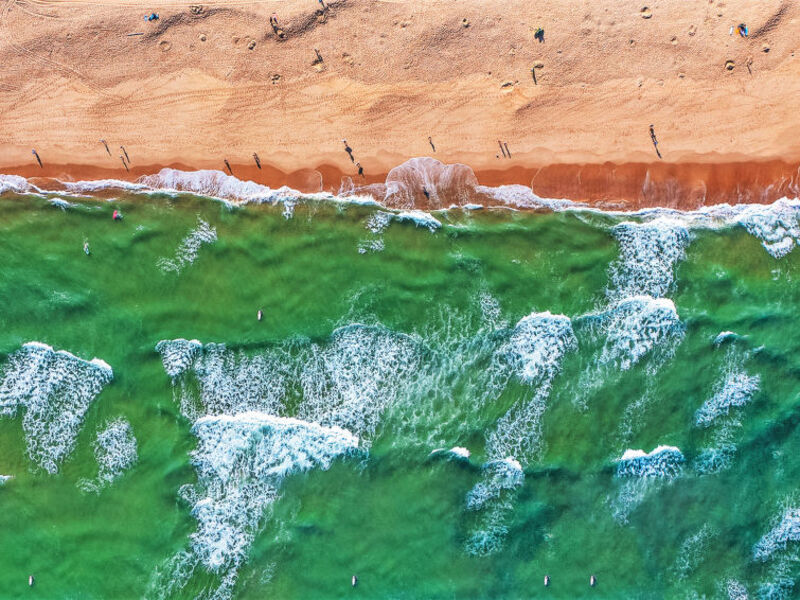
241,461
735,390
356,376
776,225
115,451
178,355
691,552
365,246
635,326
15,184
522,196
716,459
723,336
493,496
736,590
420,219
61,203
662,462
538,345
215,184
379,221
786,529
55,388
459,451
4,478
97,185
187,250
648,254
229,381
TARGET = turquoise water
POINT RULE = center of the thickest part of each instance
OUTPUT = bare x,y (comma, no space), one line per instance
277,458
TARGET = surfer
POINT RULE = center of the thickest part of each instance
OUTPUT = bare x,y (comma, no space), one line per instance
354,581
259,315
106,145
546,580
116,216
86,247
228,166
592,581
39,160
30,580
124,164
125,152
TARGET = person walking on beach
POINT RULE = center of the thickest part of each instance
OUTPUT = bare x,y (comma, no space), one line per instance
228,166
349,150
124,164
319,56
128,158
258,160
106,145
39,160
507,150
655,141
430,141
360,170
499,143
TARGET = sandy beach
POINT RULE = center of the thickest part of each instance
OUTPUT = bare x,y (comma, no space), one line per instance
215,82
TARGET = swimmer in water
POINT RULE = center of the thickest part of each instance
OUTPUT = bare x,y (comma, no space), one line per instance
86,247
546,580
30,580
260,314
117,216
592,581
354,581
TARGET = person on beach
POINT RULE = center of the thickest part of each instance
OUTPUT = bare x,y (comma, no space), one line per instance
39,160
258,160
319,56
128,158
653,138
507,150
349,150
228,166
426,192
533,72
124,164
499,143
116,216
360,170
322,4
430,141
106,145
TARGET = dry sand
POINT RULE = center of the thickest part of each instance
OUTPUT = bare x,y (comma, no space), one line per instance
215,82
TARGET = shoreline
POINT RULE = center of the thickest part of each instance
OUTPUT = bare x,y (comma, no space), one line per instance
627,186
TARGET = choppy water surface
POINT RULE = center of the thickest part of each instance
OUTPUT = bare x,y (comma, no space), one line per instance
448,405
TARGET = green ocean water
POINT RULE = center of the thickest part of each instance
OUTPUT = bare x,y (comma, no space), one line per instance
421,343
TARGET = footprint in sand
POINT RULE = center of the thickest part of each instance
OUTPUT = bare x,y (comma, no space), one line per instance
646,12
164,45
729,64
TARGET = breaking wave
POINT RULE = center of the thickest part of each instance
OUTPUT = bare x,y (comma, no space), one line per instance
636,326
786,529
189,247
735,390
648,255
115,453
663,462
55,389
241,461
494,497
